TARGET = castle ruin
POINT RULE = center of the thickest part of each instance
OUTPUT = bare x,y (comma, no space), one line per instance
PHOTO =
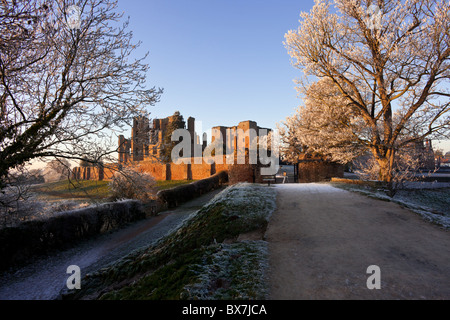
147,142
147,139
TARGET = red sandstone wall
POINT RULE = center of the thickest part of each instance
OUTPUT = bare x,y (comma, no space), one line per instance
317,171
201,171
179,172
221,167
241,173
93,173
157,170
182,171
108,173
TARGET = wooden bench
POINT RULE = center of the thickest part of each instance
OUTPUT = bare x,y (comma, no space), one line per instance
269,179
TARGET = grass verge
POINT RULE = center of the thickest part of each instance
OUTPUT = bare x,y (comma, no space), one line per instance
202,259
431,204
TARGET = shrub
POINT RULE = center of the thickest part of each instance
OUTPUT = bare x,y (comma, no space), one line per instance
130,183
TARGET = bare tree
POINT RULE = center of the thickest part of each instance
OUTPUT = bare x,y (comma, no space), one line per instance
384,58
61,166
67,83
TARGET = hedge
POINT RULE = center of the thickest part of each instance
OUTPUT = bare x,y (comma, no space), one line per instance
37,237
173,197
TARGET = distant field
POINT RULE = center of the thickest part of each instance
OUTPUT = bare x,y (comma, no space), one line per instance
72,190
85,190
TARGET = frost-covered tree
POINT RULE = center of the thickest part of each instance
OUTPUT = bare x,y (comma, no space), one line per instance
389,62
132,183
61,166
324,125
69,80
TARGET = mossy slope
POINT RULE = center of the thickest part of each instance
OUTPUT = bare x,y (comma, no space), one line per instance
199,260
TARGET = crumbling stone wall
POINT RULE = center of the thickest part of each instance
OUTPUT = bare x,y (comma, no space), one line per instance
160,171
93,173
201,171
179,172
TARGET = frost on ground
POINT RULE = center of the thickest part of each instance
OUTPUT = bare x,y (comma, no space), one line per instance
235,270
231,271
204,258
430,200
246,200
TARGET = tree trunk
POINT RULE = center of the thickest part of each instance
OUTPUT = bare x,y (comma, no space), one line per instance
386,163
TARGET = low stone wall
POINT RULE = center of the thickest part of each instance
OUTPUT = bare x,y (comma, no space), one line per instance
370,183
38,237
160,171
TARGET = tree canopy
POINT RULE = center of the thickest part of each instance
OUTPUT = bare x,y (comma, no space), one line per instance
375,75
67,83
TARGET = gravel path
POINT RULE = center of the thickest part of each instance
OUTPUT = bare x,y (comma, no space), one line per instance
323,239
44,278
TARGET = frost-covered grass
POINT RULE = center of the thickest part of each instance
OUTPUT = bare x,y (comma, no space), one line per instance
87,189
230,271
432,204
34,207
202,259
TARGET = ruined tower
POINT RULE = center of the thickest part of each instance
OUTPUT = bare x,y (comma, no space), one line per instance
124,149
147,139
140,138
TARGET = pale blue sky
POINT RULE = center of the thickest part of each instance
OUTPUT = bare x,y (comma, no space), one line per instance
220,61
